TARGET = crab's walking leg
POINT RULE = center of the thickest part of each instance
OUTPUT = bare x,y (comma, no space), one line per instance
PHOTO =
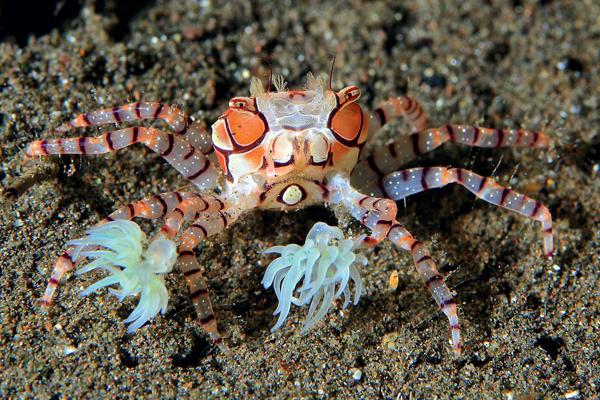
156,206
383,224
211,215
395,107
385,159
401,184
433,279
178,120
189,161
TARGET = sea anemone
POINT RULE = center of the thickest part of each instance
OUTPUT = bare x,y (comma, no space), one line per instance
117,248
326,261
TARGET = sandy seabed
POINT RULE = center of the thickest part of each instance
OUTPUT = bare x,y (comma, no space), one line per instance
530,324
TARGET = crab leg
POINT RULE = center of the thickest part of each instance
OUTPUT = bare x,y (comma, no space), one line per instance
189,161
395,107
178,120
211,215
401,184
154,207
384,224
390,158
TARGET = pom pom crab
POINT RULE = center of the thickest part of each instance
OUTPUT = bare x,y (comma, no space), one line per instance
285,150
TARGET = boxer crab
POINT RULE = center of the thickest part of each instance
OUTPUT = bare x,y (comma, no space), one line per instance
279,150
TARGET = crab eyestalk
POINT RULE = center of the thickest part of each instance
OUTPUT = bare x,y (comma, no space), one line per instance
117,248
318,273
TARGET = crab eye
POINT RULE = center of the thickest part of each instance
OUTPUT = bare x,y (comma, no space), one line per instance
238,103
349,94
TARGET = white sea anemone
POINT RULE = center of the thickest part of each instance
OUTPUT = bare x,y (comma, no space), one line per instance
117,248
326,261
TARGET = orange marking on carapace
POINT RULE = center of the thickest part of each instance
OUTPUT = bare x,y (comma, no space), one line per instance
347,122
245,127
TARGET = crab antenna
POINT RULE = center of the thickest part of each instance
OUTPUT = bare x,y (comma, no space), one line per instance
331,72
270,78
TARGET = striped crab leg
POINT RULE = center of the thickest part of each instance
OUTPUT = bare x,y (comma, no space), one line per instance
384,225
389,158
393,108
153,207
178,120
210,216
189,161
401,184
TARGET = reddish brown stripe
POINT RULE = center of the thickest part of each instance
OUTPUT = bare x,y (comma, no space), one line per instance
415,244
163,203
380,115
424,184
392,150
447,303
450,131
433,279
135,134
53,281
536,208
187,253
179,197
396,225
191,272
475,134
201,228
131,209
549,230
221,205
459,176
169,146
179,211
383,222
415,144
362,200
424,258
373,166
185,128
505,193
81,143
198,293
115,113
455,327
500,134
158,111
109,218
224,219
137,110
404,174
85,119
109,142
190,153
536,136
206,205
43,144
208,319
482,184
200,172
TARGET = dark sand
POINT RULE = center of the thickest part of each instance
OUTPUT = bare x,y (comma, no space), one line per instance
530,325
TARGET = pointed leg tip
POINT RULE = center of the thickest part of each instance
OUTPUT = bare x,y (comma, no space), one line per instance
218,341
457,349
